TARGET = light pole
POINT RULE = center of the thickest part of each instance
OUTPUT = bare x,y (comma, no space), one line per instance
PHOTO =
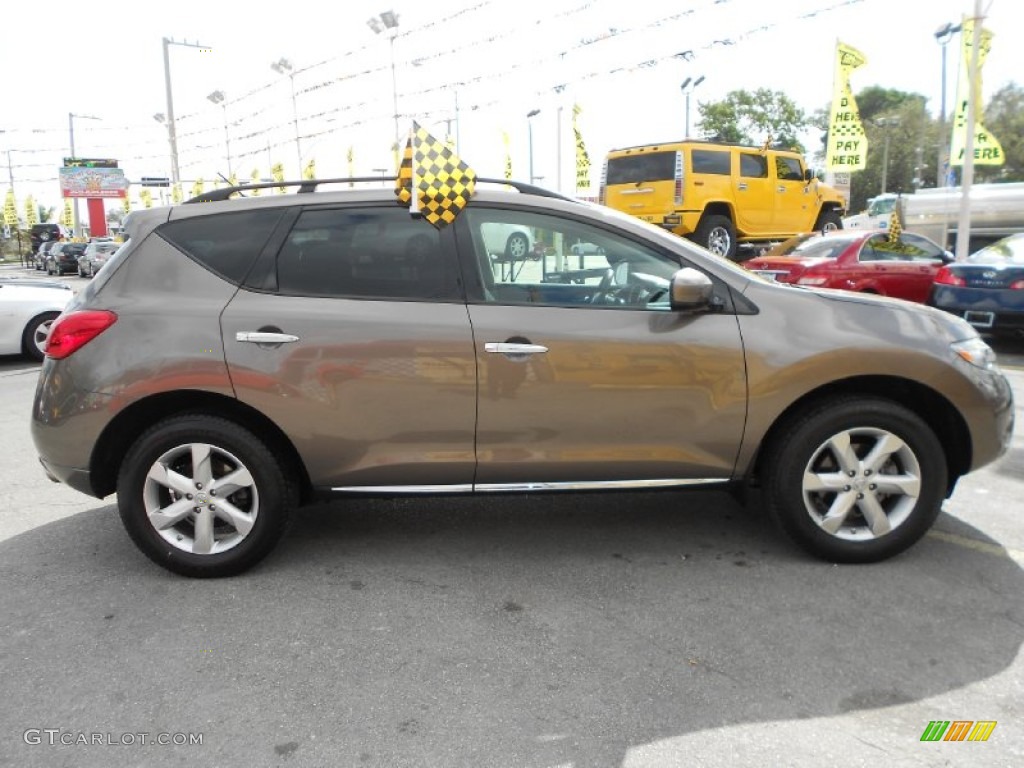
943,35
171,131
218,97
529,125
886,123
387,21
284,67
687,88
71,136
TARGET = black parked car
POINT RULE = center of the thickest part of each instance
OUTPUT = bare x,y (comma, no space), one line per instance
63,257
42,233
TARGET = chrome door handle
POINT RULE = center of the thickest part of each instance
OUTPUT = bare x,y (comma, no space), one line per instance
741,186
506,348
780,188
265,337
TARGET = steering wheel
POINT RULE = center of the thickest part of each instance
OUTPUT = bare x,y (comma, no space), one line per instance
604,290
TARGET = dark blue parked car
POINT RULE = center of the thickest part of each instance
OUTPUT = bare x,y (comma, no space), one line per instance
987,289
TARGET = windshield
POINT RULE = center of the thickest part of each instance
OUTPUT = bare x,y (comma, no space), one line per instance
878,206
649,166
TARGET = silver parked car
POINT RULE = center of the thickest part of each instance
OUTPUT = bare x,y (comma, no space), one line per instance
239,357
95,256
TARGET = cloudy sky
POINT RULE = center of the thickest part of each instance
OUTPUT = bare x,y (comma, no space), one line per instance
475,68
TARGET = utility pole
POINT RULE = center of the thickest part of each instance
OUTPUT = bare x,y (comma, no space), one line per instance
171,130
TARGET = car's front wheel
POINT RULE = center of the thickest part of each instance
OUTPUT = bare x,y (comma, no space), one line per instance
855,479
203,496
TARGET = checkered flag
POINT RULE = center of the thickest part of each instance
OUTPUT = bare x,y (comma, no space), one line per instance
443,182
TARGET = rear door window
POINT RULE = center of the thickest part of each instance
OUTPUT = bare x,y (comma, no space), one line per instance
711,161
366,253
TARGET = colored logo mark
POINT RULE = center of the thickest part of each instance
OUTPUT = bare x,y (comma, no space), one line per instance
958,730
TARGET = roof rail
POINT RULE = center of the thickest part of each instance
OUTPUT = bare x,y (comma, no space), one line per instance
310,185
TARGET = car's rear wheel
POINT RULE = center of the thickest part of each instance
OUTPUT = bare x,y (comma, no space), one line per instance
718,235
33,338
517,246
203,496
855,479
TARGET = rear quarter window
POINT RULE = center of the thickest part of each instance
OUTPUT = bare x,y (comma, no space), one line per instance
645,166
225,243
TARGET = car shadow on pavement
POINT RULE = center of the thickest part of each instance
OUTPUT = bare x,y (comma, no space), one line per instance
525,631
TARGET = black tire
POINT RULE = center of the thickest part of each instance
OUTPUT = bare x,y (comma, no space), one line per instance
828,221
265,504
33,338
517,246
803,479
718,235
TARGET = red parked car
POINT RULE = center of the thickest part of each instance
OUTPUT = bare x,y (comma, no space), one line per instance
856,260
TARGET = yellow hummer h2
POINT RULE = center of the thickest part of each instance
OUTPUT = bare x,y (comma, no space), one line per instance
718,194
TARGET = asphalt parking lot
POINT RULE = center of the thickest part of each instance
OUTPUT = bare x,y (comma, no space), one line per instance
657,629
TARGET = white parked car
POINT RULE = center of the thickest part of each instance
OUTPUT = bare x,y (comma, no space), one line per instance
511,242
28,307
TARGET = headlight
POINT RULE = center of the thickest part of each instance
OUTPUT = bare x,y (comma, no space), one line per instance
976,352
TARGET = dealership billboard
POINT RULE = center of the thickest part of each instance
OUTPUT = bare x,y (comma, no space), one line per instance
93,182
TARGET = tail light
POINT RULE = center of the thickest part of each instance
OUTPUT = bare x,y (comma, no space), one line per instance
75,330
946,276
679,179
1017,285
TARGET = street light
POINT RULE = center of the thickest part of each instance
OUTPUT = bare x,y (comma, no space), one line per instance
71,131
886,123
942,36
284,67
387,22
218,97
529,124
687,88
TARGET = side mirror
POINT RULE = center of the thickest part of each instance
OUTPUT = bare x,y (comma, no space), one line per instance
690,290
808,174
948,257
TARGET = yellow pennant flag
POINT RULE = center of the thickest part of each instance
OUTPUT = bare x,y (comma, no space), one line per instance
432,179
847,142
277,174
254,177
176,194
10,209
197,187
351,164
987,149
233,180
31,211
508,155
582,158
309,172
68,217
147,198
127,203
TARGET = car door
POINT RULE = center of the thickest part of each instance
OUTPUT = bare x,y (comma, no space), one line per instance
754,195
353,338
900,268
587,377
794,211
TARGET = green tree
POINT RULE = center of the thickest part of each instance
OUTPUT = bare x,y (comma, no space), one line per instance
753,118
1004,118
